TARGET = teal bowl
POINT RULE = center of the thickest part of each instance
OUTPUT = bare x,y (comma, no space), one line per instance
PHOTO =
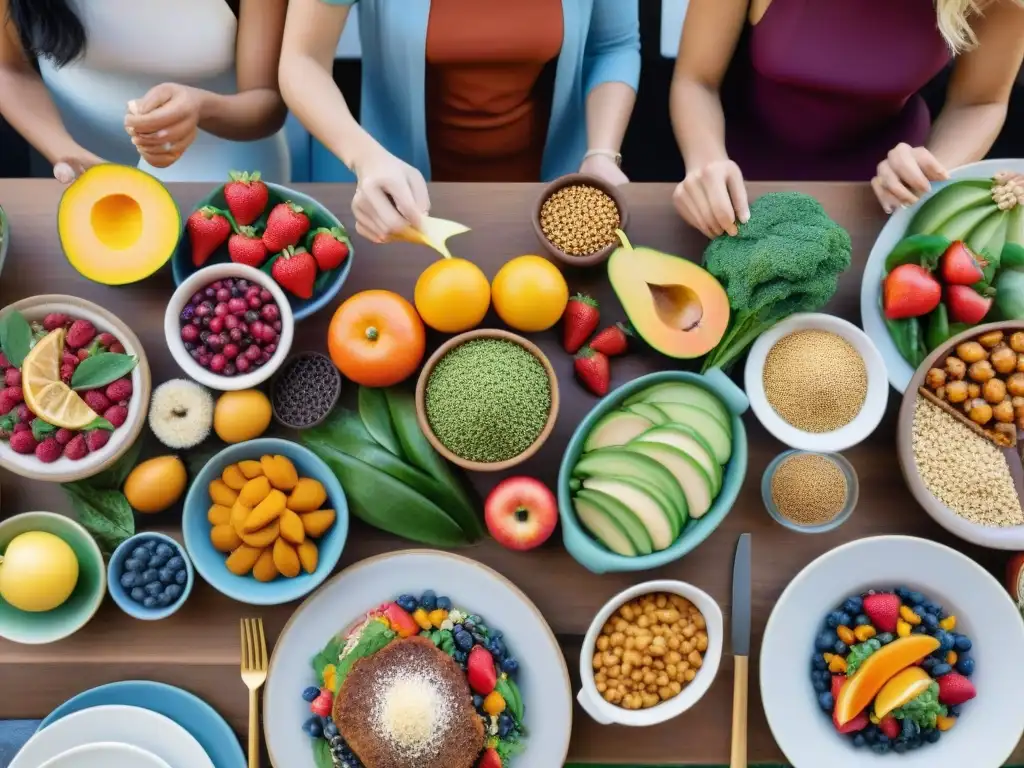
39,628
328,284
209,563
591,554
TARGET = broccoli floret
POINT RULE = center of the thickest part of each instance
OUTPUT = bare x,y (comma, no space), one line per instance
923,710
787,258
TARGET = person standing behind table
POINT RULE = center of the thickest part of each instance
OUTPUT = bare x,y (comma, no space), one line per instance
829,91
180,87
450,93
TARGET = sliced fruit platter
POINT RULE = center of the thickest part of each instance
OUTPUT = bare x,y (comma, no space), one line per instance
287,234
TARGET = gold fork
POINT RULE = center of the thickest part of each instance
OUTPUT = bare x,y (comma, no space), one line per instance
254,675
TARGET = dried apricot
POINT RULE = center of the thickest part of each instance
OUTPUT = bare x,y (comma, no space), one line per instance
225,538
317,523
280,471
308,555
243,560
308,495
255,491
221,493
219,515
286,559
292,529
266,511
239,514
250,468
264,537
265,570
233,477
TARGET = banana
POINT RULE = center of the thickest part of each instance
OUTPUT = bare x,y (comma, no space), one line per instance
1015,225
949,201
987,241
965,221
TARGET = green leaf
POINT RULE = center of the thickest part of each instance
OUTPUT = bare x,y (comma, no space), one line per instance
15,337
373,410
924,250
329,655
98,423
322,754
114,476
107,515
268,265
102,369
7,422
41,429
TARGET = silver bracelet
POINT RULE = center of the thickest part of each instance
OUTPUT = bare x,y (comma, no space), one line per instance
615,156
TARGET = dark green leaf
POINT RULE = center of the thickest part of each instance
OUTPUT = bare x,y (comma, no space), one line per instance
41,429
373,410
269,263
107,515
1012,257
102,369
7,422
938,328
113,477
322,754
15,337
98,423
924,250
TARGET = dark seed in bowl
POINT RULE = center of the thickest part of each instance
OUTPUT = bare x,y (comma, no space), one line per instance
305,390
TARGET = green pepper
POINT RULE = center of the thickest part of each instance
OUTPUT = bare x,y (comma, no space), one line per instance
906,334
938,328
1012,257
924,250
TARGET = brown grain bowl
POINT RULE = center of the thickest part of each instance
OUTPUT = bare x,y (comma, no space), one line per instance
421,396
567,181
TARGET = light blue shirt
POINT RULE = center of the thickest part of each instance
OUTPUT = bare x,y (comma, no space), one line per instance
601,44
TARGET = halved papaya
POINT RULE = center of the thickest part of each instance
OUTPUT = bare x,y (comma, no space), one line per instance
878,669
117,224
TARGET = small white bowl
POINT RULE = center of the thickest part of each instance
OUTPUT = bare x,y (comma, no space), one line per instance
201,279
865,422
606,713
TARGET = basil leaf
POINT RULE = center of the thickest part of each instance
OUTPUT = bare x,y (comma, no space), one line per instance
7,422
113,477
98,423
107,515
102,369
15,338
41,429
322,754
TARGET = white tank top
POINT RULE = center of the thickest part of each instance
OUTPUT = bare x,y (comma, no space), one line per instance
133,45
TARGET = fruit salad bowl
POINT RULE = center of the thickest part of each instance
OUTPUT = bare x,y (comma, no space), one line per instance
68,433
328,281
932,598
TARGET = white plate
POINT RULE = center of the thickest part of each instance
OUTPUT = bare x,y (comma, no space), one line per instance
127,725
106,755
899,370
543,677
991,725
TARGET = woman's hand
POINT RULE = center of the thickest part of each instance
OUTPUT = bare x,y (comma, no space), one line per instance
164,122
906,173
603,167
70,167
713,198
391,195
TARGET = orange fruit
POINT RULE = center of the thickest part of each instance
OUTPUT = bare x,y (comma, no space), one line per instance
452,295
376,338
529,294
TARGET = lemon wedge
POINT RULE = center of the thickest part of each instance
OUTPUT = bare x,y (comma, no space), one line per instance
46,395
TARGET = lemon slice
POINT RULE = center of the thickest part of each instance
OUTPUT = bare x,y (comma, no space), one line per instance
46,395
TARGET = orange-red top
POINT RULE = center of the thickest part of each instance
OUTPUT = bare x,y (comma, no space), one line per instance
484,60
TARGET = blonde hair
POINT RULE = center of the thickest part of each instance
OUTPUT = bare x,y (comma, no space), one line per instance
955,16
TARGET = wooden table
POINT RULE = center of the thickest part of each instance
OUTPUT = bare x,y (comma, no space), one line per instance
198,647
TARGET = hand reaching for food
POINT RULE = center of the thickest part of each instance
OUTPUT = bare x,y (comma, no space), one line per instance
164,122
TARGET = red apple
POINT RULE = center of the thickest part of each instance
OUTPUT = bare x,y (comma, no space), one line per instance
521,513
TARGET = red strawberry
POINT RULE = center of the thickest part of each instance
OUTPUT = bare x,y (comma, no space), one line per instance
612,341
295,271
286,225
401,621
889,726
82,355
63,436
480,672
55,320
14,394
247,196
955,689
837,685
76,449
489,759
246,247
883,609
22,441
330,247
960,266
49,450
579,321
107,340
966,305
117,347
96,439
593,371
80,334
859,723
12,377
116,415
119,390
208,228
322,704
910,290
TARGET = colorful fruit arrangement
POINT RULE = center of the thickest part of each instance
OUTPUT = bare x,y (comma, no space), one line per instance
265,518
590,364
891,670
154,575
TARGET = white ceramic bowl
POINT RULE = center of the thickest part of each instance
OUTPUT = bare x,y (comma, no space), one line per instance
990,726
106,754
65,470
608,714
201,279
898,369
838,440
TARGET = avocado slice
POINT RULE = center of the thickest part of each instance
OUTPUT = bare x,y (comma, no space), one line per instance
688,473
687,394
692,444
658,520
596,510
649,412
616,428
704,424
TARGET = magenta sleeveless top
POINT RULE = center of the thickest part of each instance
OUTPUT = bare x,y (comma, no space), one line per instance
823,89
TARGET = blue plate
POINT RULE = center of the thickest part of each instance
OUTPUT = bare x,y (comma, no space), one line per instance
190,712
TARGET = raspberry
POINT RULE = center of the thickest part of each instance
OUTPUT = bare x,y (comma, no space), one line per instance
12,377
22,441
96,400
64,436
4,362
117,347
107,340
15,394
49,450
7,404
119,390
55,320
80,334
83,354
116,415
24,414
76,449
96,439
66,372
69,358
22,426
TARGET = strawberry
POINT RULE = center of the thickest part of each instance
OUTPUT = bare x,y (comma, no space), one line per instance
480,672
955,689
889,726
330,247
116,415
286,225
49,450
401,621
96,439
579,321
55,320
80,334
22,441
910,290
14,394
837,685
12,377
76,448
859,723
295,271
490,759
960,266
107,340
63,436
246,247
247,196
593,371
117,348
612,341
208,228
966,305
119,390
883,609
322,704
96,400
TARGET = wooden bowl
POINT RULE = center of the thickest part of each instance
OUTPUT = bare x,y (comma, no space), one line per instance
569,180
421,396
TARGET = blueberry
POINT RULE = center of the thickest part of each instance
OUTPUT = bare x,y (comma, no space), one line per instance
165,550
157,561
497,633
932,736
478,700
163,600
132,564
464,641
853,605
883,739
916,598
902,593
825,701
956,710
910,729
150,544
914,743
929,663
941,669
428,600
460,657
127,580
899,747
920,629
858,740
933,608
309,694
149,602
510,666
138,594
871,734
166,575
469,623
407,603
150,575
946,640
885,638
504,726
173,590
880,747
496,647
176,563
840,647
313,727
834,619
140,553
817,662
861,621
965,666
181,577
963,643
819,686
930,621
444,603
478,638
825,640
154,588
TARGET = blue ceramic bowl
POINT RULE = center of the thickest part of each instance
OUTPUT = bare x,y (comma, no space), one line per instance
116,568
328,284
210,563
590,553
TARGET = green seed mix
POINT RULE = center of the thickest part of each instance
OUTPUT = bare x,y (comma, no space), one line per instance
487,400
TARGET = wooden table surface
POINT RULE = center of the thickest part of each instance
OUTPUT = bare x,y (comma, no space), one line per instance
198,648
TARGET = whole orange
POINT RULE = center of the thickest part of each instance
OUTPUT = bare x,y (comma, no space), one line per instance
529,293
376,338
452,295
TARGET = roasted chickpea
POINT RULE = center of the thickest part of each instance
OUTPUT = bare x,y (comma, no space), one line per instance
1003,360
1017,342
1020,363
980,412
994,390
973,390
955,367
990,339
1003,412
981,371
935,378
1015,384
1006,434
971,352
956,391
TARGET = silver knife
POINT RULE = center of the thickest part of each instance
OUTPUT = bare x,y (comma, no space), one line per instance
740,650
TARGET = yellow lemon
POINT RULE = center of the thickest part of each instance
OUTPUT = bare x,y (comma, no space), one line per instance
45,394
38,572
157,484
452,295
242,415
529,294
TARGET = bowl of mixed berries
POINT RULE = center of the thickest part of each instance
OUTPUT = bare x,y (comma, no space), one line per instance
76,387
